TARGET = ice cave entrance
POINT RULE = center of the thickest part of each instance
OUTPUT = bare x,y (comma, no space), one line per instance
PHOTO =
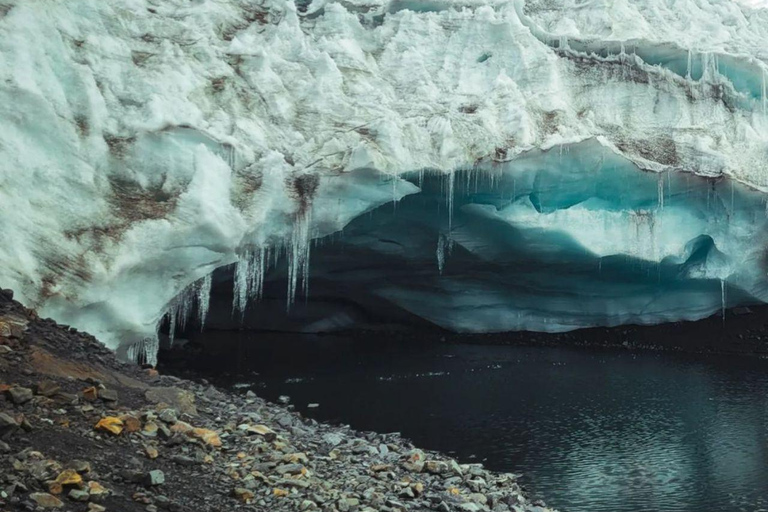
557,240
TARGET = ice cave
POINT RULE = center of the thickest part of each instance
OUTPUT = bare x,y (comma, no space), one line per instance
243,235
576,236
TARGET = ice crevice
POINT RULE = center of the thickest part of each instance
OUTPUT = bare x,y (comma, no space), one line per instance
141,166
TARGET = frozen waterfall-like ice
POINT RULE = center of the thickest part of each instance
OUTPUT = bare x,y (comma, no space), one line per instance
145,145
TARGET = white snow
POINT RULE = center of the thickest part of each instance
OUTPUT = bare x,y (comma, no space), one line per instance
145,143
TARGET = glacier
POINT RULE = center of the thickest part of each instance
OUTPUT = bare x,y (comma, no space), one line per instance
559,164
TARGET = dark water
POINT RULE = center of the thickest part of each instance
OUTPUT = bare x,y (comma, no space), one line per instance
591,431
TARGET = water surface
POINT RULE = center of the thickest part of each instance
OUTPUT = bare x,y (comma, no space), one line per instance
591,430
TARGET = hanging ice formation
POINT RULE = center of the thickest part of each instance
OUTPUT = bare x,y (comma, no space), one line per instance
249,278
196,297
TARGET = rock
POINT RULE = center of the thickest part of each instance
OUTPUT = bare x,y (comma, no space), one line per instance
45,500
69,477
284,399
110,424
478,498
151,452
261,430
78,495
47,388
154,478
5,349
7,423
295,458
130,423
313,406
108,395
97,491
19,395
470,507
93,507
436,467
91,394
243,494
291,469
333,438
169,416
177,398
80,466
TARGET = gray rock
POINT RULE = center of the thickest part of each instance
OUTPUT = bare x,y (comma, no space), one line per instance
169,415
7,422
78,495
108,395
333,438
20,395
154,477
292,469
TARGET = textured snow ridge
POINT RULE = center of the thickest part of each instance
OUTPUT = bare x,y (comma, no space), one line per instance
145,143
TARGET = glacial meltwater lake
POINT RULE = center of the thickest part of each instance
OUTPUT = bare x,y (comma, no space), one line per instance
591,430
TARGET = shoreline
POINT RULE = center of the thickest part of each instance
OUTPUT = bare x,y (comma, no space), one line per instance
82,431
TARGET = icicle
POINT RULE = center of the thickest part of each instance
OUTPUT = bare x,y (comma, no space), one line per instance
204,299
440,253
722,298
256,267
298,258
145,351
451,179
240,292
661,192
690,64
765,91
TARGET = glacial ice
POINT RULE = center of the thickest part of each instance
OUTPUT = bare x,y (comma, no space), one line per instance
556,240
145,144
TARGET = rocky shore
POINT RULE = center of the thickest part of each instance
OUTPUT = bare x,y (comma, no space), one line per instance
82,431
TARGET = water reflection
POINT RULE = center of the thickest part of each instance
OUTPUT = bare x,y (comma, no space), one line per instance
591,431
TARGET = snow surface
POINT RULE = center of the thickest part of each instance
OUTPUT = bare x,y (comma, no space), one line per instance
145,143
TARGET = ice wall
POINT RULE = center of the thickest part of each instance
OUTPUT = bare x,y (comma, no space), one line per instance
146,143
560,239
